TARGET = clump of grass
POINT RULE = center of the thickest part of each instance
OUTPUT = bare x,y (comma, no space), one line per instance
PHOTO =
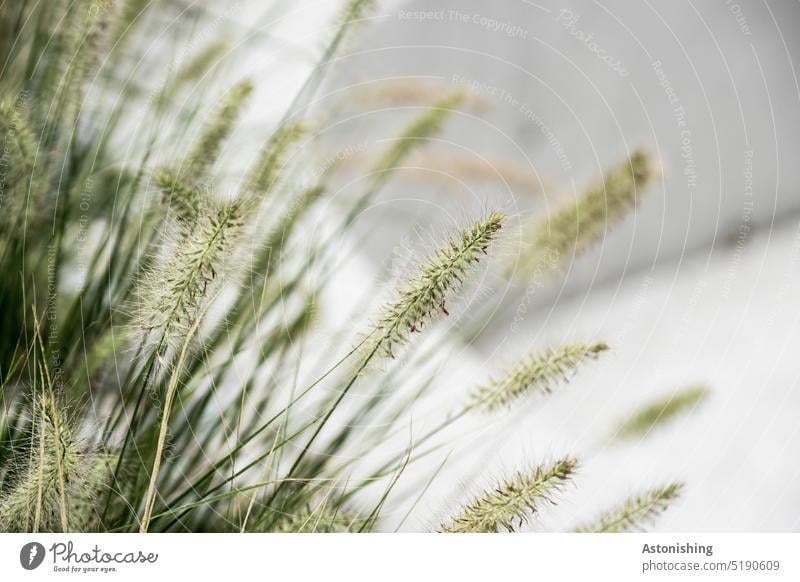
510,503
201,422
660,412
534,373
38,500
426,294
320,519
635,513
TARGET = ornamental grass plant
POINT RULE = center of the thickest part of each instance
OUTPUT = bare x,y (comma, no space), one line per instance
162,368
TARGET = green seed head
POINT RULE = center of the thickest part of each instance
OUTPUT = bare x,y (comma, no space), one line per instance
512,501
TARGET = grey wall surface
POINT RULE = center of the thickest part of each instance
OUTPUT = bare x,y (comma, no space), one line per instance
709,88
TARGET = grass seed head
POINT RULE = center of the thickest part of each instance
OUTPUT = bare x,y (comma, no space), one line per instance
509,505
559,237
534,373
175,292
36,501
635,512
425,295
209,144
661,412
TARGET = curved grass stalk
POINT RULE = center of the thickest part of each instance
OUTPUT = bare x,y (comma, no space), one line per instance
169,398
419,300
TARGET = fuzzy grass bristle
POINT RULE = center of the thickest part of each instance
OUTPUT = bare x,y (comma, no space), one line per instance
183,198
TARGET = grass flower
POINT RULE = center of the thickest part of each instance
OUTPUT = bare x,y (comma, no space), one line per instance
423,127
207,148
88,488
510,504
660,412
38,500
534,373
264,174
196,67
351,15
175,291
426,294
572,229
184,199
635,512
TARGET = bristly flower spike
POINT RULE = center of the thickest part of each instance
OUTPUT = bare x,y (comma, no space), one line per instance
534,373
561,236
209,144
427,293
510,504
660,412
635,512
175,293
182,198
265,172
